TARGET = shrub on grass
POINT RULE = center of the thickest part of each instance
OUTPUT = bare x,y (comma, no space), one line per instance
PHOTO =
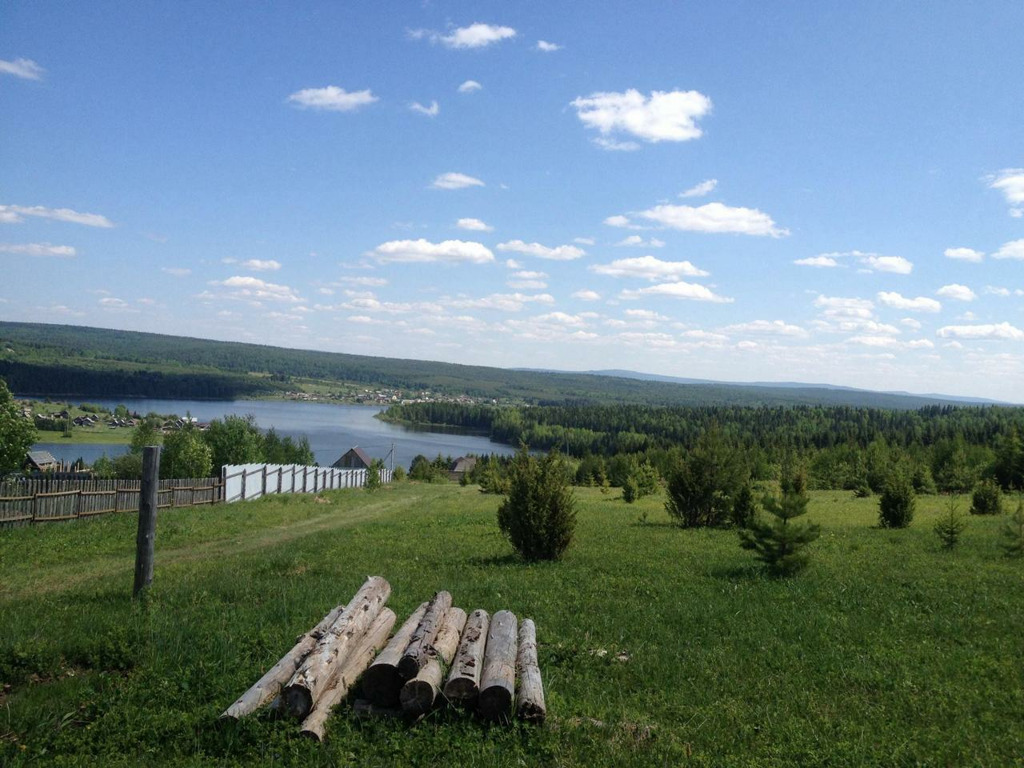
641,480
780,543
373,475
1013,531
702,489
539,514
949,527
987,499
398,475
896,505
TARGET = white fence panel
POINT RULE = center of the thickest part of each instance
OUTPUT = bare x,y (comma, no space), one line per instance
245,482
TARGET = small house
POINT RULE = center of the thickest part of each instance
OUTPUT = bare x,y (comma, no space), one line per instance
40,461
354,458
461,467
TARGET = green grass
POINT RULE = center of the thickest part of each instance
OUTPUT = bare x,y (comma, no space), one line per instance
887,650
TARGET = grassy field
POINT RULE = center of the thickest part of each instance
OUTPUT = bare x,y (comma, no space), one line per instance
658,646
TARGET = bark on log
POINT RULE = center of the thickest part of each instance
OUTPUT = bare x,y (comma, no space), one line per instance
530,691
463,684
498,679
417,652
355,664
319,669
268,686
419,694
381,683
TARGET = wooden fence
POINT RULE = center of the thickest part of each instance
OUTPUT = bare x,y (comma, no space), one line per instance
44,500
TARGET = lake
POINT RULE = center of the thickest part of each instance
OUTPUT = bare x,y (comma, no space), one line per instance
331,429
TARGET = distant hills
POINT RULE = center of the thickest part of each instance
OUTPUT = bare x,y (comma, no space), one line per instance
66,360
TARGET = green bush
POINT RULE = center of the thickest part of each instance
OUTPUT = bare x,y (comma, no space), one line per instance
987,499
705,483
780,543
373,475
539,514
398,475
1013,532
896,505
950,525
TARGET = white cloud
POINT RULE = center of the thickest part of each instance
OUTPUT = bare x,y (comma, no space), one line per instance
700,190
920,304
476,36
635,241
332,99
714,217
469,86
646,315
895,264
261,265
679,290
957,291
14,214
527,285
453,180
817,261
530,275
911,323
1011,250
546,47
650,268
840,307
23,68
252,288
587,295
423,251
474,225
373,282
561,318
177,271
432,111
38,249
513,264
116,305
963,254
504,302
584,241
996,290
613,145
768,327
1003,331
622,222
1011,183
558,253
663,116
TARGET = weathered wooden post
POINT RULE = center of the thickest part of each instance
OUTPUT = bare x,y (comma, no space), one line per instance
145,540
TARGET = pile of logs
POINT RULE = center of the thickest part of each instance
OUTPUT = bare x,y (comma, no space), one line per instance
490,663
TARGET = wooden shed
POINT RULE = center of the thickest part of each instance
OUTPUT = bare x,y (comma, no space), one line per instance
354,458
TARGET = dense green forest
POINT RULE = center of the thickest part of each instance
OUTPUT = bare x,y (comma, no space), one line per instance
70,360
942,447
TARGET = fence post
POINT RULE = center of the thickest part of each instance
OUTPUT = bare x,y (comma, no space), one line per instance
145,540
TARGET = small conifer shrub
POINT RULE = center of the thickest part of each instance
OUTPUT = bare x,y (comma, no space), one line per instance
986,499
779,542
1013,531
539,514
896,504
950,525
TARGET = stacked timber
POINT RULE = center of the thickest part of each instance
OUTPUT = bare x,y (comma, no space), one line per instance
439,655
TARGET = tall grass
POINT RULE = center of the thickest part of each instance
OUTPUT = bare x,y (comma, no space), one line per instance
657,645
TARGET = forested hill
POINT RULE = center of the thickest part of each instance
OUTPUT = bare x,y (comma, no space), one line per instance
48,359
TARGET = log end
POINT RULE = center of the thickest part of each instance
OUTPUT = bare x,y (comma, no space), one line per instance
408,667
531,713
461,691
495,704
417,697
298,701
381,685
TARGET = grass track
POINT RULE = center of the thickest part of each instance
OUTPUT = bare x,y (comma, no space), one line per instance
887,650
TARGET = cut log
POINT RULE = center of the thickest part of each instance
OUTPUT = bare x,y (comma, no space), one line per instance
419,694
417,652
321,666
381,683
498,679
269,686
463,684
530,691
356,662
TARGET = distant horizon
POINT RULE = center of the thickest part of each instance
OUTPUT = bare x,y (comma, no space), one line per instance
732,192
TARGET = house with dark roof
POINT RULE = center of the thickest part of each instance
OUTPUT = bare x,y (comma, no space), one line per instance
40,461
461,467
354,458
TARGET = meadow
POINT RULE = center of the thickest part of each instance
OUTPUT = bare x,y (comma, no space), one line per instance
658,646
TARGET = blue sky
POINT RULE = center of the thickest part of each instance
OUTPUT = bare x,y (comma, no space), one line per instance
740,191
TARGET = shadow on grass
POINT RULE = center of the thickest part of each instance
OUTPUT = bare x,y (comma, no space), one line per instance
654,524
509,559
747,572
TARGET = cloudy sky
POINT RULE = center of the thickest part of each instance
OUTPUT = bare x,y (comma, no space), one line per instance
741,191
